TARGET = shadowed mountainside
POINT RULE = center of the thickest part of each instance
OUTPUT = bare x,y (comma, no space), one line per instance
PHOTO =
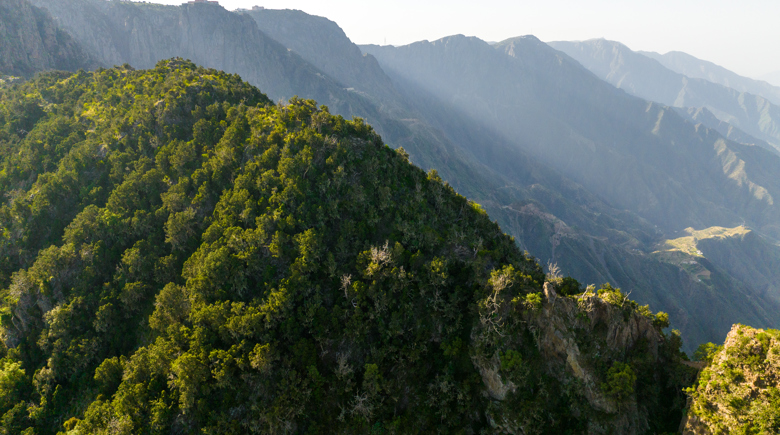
324,44
659,166
30,42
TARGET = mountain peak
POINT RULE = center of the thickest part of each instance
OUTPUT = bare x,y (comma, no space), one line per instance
524,39
460,40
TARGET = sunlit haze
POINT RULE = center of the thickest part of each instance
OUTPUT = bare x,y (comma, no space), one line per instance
741,36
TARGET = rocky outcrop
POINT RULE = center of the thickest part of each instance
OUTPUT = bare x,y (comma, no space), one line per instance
564,324
582,341
738,392
30,42
496,387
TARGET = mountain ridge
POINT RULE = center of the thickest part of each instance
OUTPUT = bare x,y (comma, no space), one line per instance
190,243
693,67
773,78
583,252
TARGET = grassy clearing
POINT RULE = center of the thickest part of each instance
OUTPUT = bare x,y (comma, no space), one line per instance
685,253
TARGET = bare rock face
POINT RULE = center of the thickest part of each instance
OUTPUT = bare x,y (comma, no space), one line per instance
496,387
692,425
31,42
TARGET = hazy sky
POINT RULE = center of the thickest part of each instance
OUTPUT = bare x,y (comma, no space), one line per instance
743,36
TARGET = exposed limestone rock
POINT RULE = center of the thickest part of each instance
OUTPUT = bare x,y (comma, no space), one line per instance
693,426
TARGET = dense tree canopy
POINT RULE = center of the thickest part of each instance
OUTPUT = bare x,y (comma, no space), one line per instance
180,255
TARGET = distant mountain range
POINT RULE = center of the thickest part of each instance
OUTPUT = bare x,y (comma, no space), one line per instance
648,78
580,173
692,67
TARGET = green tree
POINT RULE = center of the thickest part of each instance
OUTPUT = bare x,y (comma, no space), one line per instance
706,352
620,381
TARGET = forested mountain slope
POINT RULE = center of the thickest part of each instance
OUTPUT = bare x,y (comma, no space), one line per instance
31,42
140,34
547,214
649,79
518,191
216,263
535,204
143,34
693,67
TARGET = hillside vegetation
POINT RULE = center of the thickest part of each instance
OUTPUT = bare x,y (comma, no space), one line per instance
547,149
738,393
180,255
